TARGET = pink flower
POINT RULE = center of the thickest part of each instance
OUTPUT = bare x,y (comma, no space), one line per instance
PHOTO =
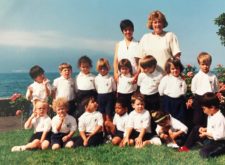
190,74
15,96
189,65
19,112
219,65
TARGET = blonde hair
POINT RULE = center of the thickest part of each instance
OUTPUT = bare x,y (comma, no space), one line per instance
205,57
60,102
102,62
64,66
42,102
148,61
156,15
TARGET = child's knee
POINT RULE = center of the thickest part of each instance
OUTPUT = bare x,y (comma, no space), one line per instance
116,141
45,145
55,146
69,144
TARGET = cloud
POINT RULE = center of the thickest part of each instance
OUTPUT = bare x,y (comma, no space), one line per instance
53,40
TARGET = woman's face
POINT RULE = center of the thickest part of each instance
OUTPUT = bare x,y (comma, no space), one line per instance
128,33
157,26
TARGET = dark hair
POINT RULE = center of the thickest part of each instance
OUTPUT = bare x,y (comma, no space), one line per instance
148,62
137,96
125,63
84,59
35,71
173,61
209,100
122,102
125,24
86,100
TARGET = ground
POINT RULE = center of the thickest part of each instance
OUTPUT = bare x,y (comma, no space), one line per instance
10,123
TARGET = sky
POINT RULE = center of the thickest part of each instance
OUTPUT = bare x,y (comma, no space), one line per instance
49,32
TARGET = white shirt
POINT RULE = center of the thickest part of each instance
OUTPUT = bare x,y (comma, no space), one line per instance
161,47
204,82
69,124
216,126
85,81
129,52
64,88
105,84
172,86
39,91
138,121
125,85
176,125
120,122
149,82
41,124
89,121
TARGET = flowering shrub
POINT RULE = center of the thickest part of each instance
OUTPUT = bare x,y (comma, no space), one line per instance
220,73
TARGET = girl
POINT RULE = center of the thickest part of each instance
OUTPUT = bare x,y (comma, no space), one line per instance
125,86
42,128
84,82
173,88
105,86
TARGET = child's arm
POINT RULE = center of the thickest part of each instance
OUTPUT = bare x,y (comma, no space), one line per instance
126,138
29,93
59,125
69,136
83,136
28,123
97,129
138,140
47,88
174,135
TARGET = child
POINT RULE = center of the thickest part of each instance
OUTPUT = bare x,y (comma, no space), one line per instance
85,84
138,127
63,125
212,136
204,81
90,125
105,86
64,86
118,126
40,89
170,130
125,86
149,80
173,89
41,123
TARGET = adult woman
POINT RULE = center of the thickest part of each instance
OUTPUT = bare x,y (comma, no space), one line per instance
159,43
127,48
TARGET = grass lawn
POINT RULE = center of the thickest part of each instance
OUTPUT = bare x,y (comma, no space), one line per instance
105,154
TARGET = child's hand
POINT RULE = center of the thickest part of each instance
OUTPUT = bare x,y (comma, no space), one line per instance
202,129
189,103
164,136
45,81
202,134
138,142
85,143
65,138
125,142
172,134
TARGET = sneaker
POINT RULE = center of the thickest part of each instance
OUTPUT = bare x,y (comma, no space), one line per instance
155,140
18,148
172,145
183,149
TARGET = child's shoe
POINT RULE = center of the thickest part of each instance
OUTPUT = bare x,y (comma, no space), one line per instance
172,145
183,149
18,148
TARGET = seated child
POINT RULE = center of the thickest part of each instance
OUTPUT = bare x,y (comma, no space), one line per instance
170,130
63,125
118,126
90,125
138,127
212,136
42,128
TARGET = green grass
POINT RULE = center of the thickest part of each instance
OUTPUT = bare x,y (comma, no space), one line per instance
105,154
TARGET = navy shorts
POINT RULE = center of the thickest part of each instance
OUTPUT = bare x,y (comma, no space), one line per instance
38,135
56,138
118,134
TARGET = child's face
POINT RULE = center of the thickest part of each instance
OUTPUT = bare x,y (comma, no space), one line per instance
208,111
138,106
165,123
204,65
128,33
41,108
92,106
85,68
175,71
119,109
61,111
66,73
124,70
103,70
40,78
148,70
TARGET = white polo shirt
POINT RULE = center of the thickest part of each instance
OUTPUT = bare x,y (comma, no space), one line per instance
105,84
41,124
120,122
85,81
125,85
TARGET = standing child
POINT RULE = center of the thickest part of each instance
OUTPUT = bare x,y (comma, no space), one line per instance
85,84
204,81
170,130
105,86
41,123
64,86
63,125
90,125
212,136
138,127
173,89
40,89
118,126
125,86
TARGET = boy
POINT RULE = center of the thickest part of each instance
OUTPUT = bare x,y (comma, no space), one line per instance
42,128
212,136
204,81
64,86
63,125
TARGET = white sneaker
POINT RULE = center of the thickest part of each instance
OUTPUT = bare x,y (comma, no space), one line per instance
18,148
172,145
156,141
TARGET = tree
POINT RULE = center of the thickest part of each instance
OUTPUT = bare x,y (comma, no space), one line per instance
220,21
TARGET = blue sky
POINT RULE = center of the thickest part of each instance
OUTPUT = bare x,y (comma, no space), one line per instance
49,32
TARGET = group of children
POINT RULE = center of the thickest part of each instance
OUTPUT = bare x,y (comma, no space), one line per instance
148,109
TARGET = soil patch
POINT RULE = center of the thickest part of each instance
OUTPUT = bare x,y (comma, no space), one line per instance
10,123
